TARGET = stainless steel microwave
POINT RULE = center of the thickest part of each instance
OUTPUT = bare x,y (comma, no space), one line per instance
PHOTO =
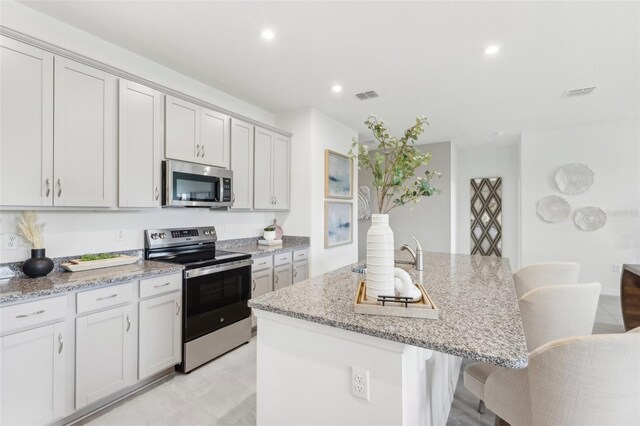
196,185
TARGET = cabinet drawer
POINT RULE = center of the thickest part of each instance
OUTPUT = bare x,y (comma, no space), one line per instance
160,285
103,298
262,263
281,259
300,255
30,314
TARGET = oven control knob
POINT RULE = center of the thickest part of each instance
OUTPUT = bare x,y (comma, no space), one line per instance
154,236
162,235
206,232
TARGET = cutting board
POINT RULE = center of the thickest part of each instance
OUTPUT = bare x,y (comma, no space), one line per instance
76,265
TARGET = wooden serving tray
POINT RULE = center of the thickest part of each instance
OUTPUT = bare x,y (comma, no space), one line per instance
76,266
422,309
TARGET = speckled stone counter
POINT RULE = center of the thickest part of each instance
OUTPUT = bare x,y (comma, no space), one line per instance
23,289
250,246
479,314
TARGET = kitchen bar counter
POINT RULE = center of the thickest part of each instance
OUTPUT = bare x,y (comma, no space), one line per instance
22,289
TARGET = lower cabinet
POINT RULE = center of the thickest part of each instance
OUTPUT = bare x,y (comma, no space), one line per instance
282,276
300,271
104,353
261,283
32,375
160,334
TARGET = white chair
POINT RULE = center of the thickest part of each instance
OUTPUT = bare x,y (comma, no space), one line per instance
587,380
548,313
544,274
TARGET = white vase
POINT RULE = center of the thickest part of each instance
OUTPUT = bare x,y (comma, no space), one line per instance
380,259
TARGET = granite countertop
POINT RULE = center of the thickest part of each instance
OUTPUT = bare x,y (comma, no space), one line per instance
255,250
24,289
479,314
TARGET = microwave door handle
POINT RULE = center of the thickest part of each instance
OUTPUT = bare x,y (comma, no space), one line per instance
220,189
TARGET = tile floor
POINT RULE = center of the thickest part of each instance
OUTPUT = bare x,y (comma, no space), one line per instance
223,391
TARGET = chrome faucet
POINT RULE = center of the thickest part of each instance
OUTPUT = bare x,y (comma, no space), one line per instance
417,254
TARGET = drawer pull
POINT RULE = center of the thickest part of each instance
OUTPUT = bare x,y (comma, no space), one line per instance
32,314
108,297
179,307
60,343
161,285
128,323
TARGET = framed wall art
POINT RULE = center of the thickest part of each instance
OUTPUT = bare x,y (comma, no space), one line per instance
338,175
338,227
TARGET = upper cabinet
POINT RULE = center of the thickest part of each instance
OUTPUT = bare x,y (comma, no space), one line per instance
26,133
242,164
272,165
66,164
140,144
196,134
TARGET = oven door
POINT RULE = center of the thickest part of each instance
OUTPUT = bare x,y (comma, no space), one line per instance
196,185
215,297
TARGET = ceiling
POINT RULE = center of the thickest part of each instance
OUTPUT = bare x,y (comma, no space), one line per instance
421,57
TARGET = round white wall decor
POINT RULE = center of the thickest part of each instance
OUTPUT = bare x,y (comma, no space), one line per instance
574,178
590,218
553,209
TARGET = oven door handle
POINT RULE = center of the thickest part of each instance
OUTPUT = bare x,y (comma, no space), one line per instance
217,268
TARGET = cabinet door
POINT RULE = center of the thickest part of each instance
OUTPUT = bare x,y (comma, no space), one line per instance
263,177
300,271
140,132
104,350
215,139
242,164
26,132
160,334
32,379
282,276
83,135
182,129
261,283
281,172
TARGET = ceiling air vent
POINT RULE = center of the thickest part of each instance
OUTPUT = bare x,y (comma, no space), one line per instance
578,92
366,95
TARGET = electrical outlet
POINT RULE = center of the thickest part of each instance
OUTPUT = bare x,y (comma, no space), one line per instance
119,234
616,268
10,241
360,383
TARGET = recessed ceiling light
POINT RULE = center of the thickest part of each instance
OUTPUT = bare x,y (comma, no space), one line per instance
267,34
336,88
492,50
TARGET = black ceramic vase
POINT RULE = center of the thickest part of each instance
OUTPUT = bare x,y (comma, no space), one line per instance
38,265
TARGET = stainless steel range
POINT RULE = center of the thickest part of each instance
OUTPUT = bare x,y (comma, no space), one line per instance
216,287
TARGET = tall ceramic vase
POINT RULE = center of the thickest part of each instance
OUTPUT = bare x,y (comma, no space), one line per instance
380,259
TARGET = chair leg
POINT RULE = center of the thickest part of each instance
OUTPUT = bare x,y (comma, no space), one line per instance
499,422
481,407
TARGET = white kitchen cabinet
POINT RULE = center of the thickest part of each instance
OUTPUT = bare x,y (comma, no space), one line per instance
300,271
140,144
242,164
196,134
32,375
282,276
272,165
215,139
26,133
104,354
160,334
261,283
83,135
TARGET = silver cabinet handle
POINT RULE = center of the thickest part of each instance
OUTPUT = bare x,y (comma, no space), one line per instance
108,297
128,323
276,200
48,183
32,314
59,187
202,151
277,277
60,343
179,307
157,193
254,285
161,285
197,150
295,272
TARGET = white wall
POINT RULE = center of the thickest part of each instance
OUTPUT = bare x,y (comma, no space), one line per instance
69,233
483,162
429,220
612,151
313,133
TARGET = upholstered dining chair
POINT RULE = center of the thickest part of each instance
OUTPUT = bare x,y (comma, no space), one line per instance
544,274
586,380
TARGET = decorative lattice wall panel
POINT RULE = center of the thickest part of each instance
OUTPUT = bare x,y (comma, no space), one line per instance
486,216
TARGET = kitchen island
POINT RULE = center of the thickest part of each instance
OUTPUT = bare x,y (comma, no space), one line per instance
310,342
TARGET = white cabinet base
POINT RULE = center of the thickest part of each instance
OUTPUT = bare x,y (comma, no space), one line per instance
304,377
